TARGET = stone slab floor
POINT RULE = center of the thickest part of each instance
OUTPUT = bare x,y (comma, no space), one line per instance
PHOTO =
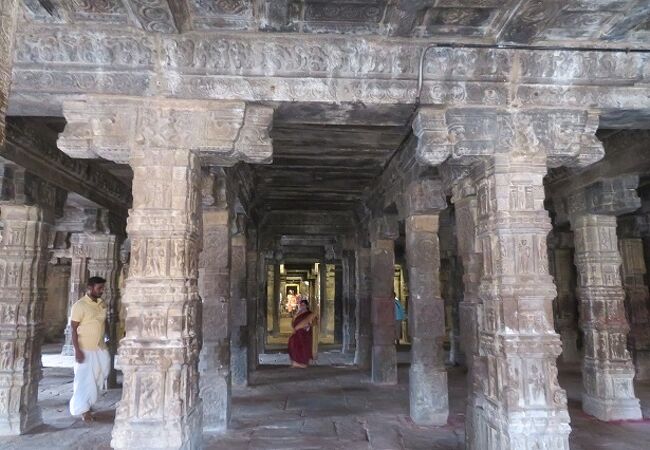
323,407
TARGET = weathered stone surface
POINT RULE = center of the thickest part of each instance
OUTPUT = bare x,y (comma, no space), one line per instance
349,302
427,375
519,403
362,354
160,406
238,302
9,11
607,366
215,290
383,231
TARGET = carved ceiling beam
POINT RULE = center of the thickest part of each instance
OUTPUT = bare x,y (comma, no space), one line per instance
53,61
221,132
160,16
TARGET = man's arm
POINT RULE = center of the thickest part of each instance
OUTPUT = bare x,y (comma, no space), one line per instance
78,354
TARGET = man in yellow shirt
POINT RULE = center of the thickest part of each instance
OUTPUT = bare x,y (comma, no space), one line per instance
92,360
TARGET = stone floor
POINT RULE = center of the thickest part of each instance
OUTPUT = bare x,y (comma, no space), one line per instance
330,406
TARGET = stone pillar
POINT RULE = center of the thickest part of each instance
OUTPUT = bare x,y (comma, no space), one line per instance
58,285
566,321
255,327
520,403
607,369
322,299
470,308
427,375
637,299
9,11
23,258
362,354
215,289
160,406
238,291
349,301
337,308
78,281
277,283
383,231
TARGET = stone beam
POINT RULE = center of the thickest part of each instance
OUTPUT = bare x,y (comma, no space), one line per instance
50,63
221,133
566,137
33,148
9,11
160,16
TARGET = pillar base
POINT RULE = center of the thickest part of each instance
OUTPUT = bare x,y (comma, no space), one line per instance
215,394
429,397
384,364
17,424
362,353
570,353
612,409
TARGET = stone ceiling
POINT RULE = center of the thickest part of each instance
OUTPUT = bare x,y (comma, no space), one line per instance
552,22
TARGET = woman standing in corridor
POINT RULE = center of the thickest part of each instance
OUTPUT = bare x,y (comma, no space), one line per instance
301,340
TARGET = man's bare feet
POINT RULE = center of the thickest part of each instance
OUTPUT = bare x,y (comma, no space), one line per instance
87,417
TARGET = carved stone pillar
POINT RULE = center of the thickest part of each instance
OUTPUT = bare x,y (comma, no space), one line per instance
276,299
23,257
58,285
166,141
322,299
238,292
252,295
429,398
520,403
78,280
566,315
215,290
349,301
362,354
383,231
607,369
637,299
470,308
9,10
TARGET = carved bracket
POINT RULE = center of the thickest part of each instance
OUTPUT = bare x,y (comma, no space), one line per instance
421,197
221,132
384,227
611,196
567,137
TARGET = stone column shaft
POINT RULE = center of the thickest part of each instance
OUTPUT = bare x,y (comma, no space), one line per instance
567,320
427,375
9,11
382,267
362,355
277,283
238,292
254,326
215,290
520,403
607,370
23,257
160,406
323,310
349,302
78,279
637,300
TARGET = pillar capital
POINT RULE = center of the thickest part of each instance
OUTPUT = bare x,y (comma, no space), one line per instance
610,196
566,136
422,197
114,128
383,228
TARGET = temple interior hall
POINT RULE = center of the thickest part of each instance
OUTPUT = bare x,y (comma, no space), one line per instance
458,189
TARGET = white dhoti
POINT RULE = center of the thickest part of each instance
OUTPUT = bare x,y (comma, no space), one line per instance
89,378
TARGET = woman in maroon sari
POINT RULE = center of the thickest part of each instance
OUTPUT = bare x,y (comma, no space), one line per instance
300,342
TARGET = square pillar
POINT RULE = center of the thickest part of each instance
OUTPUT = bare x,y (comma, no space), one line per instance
255,327
349,301
78,278
23,256
362,354
429,398
607,368
519,402
160,406
239,329
9,11
637,300
383,232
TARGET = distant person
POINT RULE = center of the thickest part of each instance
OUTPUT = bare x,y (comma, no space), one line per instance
301,341
399,317
92,361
